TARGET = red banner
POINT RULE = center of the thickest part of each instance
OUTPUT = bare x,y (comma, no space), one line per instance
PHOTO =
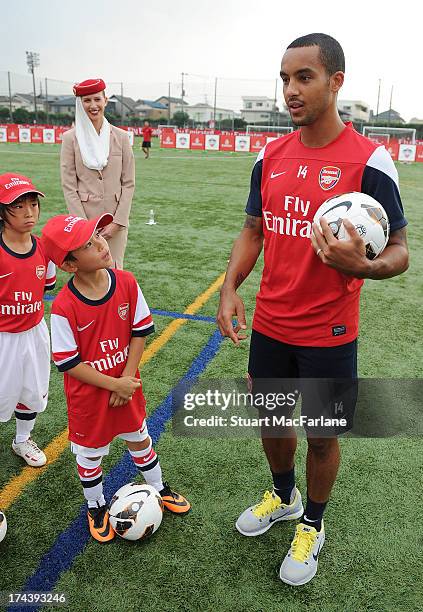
197,141
36,134
393,149
58,134
419,153
12,133
257,143
168,138
227,142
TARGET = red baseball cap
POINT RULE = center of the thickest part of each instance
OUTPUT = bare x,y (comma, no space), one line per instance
66,233
13,185
88,87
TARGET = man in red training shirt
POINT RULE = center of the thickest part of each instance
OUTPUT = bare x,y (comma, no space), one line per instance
146,139
305,323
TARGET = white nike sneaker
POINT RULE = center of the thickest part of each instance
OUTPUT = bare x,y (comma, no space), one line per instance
29,451
259,518
300,564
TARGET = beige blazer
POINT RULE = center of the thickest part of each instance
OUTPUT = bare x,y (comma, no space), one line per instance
89,193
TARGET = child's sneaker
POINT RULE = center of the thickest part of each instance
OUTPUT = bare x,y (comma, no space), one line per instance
29,451
173,501
98,521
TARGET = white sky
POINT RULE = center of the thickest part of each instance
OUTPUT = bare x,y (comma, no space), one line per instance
146,44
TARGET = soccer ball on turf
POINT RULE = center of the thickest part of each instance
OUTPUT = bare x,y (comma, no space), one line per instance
3,526
365,213
136,511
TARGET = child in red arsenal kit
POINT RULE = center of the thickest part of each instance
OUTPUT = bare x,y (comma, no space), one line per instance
25,273
99,325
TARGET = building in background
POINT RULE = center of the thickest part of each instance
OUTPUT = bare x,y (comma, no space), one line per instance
389,116
123,106
25,101
150,109
203,113
261,110
356,110
64,105
176,104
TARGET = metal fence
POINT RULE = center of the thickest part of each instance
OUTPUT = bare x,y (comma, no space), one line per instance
208,97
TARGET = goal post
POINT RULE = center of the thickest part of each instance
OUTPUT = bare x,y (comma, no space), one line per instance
162,126
273,129
383,135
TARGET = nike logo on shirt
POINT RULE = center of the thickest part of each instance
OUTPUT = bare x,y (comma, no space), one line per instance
4,275
80,329
276,174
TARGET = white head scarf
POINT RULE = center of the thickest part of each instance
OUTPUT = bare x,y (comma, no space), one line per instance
94,147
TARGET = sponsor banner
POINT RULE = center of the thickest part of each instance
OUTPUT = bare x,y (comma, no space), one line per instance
257,143
242,143
407,152
197,141
49,136
182,141
212,142
12,133
393,149
58,134
3,134
168,138
419,153
24,134
227,142
36,134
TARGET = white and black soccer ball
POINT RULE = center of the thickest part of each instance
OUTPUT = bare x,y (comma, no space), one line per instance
366,214
136,511
3,526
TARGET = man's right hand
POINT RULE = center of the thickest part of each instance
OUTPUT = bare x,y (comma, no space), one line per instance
231,304
126,386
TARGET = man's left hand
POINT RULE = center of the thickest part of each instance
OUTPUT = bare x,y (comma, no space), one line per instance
108,231
347,256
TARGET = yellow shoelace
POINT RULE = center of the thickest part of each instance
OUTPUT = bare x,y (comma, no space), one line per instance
303,543
268,504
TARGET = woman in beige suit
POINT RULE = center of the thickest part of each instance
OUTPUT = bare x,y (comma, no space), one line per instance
97,167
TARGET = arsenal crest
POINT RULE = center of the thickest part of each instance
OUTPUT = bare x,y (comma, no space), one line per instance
123,310
329,177
40,271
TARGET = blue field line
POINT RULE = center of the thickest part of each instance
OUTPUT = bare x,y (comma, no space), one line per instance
163,313
182,315
72,541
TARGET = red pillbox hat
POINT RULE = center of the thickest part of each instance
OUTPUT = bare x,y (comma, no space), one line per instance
88,87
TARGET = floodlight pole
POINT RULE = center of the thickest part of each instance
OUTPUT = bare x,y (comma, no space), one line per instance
274,104
10,98
390,105
168,103
121,102
214,105
378,98
182,90
47,114
33,61
35,97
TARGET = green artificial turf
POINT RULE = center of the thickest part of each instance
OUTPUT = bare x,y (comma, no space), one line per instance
372,556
